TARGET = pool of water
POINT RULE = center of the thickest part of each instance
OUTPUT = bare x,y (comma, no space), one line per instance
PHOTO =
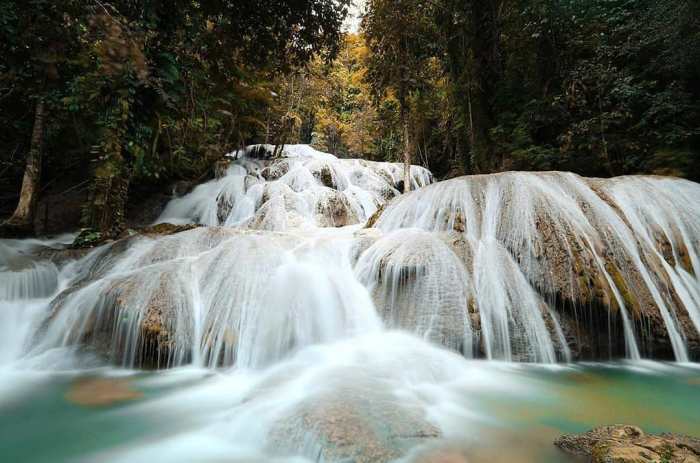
490,411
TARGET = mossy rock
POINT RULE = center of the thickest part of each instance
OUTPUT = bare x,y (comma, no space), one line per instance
88,238
629,444
164,229
374,218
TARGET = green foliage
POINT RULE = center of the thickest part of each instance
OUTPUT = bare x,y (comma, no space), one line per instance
599,87
609,85
156,91
87,238
160,88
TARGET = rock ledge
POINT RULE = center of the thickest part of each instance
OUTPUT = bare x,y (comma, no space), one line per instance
627,444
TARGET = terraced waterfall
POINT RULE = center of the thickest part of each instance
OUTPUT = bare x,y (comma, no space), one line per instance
300,308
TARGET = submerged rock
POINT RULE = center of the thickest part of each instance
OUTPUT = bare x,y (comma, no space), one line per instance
629,444
99,392
446,455
372,427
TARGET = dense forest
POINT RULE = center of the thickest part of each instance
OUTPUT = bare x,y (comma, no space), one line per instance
105,102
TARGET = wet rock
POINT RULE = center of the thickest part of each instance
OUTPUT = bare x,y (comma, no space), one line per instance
364,238
141,319
325,176
220,168
182,187
406,272
584,245
164,229
276,170
334,210
100,392
629,444
442,456
136,321
372,221
343,426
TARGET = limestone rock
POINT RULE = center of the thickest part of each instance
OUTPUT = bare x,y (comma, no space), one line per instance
345,426
629,444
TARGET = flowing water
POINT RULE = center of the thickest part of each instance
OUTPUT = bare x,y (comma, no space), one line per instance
292,332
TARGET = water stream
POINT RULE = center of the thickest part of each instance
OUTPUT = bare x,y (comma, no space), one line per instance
317,315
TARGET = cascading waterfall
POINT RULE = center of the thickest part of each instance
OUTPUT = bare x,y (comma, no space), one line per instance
481,265
219,296
339,313
624,236
24,278
26,286
215,296
407,272
305,189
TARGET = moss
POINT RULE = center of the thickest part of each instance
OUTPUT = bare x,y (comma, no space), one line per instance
600,452
166,229
666,454
471,305
375,217
684,259
88,238
459,222
631,302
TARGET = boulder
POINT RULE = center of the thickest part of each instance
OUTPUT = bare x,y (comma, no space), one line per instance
334,210
345,426
324,175
629,444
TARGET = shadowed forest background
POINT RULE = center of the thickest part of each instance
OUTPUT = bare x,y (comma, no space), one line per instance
106,103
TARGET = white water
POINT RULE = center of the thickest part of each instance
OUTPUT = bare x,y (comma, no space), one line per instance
473,264
334,332
304,189
552,223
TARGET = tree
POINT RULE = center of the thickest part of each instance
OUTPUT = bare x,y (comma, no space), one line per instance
471,37
37,38
153,60
400,38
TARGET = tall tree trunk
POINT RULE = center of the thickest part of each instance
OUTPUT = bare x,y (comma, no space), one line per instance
21,222
473,52
105,211
406,150
485,71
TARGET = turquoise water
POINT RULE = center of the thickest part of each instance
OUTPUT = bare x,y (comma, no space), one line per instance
43,421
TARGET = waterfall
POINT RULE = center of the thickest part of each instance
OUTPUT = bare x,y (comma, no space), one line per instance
26,286
409,273
633,240
308,311
307,249
304,189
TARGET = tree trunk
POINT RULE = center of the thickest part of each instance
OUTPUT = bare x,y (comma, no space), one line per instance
406,151
485,71
21,222
105,211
